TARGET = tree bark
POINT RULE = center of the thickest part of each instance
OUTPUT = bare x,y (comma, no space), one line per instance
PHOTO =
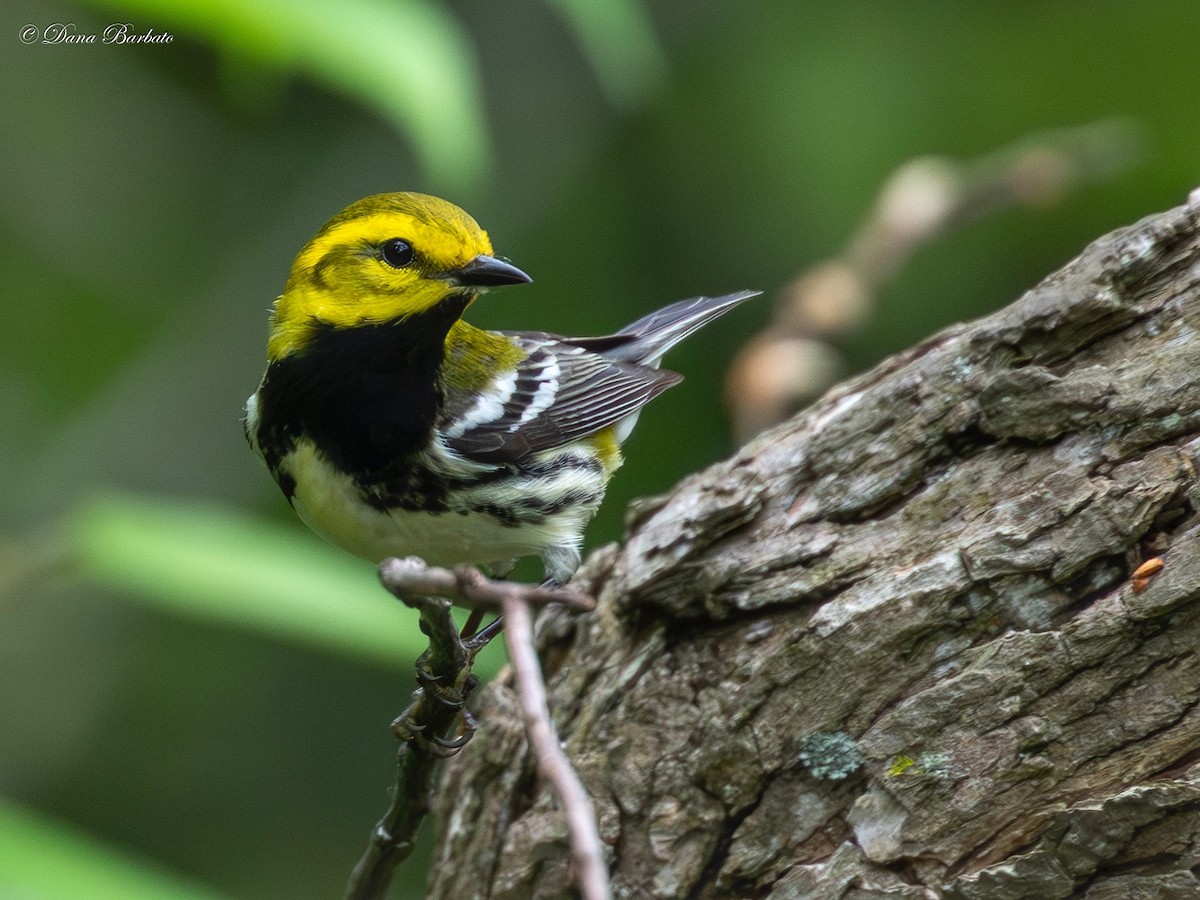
892,648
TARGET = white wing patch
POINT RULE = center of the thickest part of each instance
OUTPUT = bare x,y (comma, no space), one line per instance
488,406
543,397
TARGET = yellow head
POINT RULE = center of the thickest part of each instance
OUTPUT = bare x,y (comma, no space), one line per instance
386,257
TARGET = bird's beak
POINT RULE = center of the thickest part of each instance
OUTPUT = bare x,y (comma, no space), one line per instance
484,271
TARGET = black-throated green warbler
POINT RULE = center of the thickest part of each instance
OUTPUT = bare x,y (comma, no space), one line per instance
394,428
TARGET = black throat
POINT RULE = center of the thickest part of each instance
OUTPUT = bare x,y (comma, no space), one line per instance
367,396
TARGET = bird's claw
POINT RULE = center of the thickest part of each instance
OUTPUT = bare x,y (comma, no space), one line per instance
406,729
447,747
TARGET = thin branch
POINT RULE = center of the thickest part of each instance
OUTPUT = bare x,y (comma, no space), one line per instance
470,589
437,724
591,871
792,361
430,731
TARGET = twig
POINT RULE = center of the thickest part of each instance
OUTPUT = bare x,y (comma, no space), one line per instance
437,724
792,360
425,729
591,871
468,588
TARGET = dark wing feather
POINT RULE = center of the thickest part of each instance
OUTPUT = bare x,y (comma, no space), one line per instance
568,388
563,393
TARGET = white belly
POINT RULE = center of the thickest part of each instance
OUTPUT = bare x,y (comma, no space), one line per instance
330,504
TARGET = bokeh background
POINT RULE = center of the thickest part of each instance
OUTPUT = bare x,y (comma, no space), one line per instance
194,691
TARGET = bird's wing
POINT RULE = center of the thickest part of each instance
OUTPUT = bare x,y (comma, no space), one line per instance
646,340
559,393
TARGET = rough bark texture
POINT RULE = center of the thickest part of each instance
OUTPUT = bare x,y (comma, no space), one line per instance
892,648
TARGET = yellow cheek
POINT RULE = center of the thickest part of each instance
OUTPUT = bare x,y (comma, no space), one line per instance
286,338
345,304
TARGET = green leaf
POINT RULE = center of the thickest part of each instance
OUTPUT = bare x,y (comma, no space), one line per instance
408,59
214,564
618,38
43,859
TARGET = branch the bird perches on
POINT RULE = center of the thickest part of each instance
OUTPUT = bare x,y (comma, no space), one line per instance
437,724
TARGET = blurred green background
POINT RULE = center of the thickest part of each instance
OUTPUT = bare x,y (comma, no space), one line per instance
194,691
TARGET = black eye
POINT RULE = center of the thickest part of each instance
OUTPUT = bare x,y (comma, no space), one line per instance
397,253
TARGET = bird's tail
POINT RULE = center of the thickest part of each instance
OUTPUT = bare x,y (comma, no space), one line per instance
655,334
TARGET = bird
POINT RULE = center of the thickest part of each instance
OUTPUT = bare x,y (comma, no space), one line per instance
395,428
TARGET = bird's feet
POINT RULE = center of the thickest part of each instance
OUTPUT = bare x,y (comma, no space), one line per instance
447,700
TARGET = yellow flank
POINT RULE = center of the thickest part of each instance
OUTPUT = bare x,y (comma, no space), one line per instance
608,449
339,278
